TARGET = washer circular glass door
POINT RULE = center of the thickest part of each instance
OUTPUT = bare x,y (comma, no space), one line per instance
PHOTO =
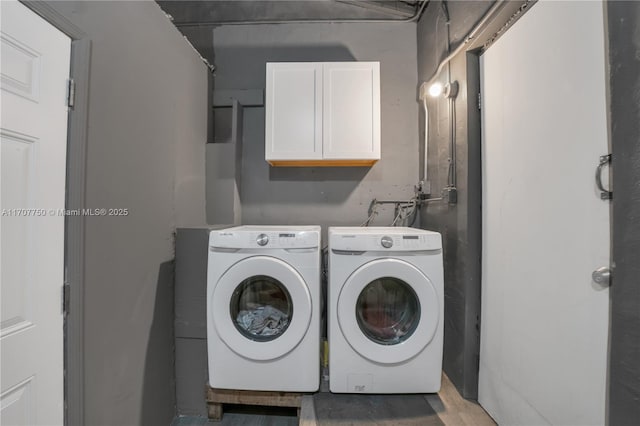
261,308
388,311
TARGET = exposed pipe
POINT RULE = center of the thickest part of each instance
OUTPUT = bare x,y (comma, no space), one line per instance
430,200
479,26
380,8
426,138
452,143
413,18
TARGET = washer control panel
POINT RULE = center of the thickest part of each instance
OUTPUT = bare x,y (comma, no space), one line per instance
386,241
262,239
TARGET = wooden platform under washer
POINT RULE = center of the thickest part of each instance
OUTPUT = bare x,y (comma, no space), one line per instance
216,398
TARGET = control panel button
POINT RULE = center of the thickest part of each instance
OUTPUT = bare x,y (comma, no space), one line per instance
262,239
387,242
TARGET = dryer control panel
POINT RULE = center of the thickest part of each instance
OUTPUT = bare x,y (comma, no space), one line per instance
266,237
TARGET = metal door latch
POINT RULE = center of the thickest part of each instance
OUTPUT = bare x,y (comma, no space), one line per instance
604,193
602,276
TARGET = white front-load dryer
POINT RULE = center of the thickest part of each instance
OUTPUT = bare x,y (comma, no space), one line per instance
263,319
386,300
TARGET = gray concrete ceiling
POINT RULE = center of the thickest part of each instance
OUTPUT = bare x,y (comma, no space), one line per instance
199,13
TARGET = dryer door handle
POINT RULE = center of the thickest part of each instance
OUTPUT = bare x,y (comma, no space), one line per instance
348,252
302,250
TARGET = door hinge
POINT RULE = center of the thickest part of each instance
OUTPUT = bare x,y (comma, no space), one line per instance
71,93
66,298
479,100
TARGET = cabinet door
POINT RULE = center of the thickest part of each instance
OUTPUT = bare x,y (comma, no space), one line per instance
351,110
293,127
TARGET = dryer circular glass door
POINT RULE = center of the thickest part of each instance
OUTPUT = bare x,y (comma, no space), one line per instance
261,308
388,311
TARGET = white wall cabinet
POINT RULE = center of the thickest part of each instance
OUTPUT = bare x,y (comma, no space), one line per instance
322,113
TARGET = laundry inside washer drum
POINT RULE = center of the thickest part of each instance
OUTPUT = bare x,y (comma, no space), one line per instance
263,321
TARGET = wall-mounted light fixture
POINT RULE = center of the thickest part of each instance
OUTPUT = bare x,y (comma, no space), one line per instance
435,90
449,90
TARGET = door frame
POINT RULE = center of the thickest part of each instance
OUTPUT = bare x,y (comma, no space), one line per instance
623,381
75,199
594,306
467,64
624,132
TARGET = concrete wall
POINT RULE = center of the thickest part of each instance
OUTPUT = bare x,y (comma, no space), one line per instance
459,223
624,360
145,152
323,196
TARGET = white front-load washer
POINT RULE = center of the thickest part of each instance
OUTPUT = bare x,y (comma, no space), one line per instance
386,300
263,319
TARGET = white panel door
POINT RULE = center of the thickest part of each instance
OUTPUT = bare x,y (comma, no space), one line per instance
293,114
33,133
543,351
351,110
